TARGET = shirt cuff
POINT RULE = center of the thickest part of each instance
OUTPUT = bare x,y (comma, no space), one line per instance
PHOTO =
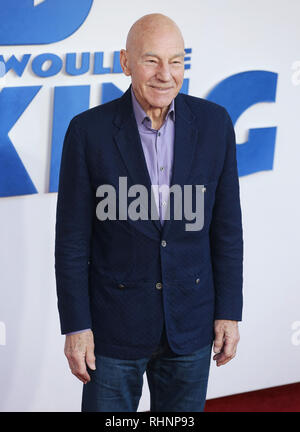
78,331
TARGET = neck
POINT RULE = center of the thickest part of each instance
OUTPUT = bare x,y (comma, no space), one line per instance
157,116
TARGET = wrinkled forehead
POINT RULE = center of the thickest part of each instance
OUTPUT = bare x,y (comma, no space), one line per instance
159,41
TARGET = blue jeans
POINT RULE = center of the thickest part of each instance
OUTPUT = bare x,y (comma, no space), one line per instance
177,383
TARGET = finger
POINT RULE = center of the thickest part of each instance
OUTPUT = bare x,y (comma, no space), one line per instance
229,348
218,356
83,376
72,365
226,360
78,367
227,354
90,359
218,342
231,343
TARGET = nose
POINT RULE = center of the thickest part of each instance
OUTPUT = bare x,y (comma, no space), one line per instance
163,73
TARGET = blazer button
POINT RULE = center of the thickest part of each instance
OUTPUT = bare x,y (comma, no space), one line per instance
121,286
158,285
197,280
164,243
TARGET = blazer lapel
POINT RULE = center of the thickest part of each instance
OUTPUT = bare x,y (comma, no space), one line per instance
129,143
186,134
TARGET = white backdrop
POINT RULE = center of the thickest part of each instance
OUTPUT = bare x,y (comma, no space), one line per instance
226,37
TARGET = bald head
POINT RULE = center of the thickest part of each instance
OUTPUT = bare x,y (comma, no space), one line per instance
150,24
154,58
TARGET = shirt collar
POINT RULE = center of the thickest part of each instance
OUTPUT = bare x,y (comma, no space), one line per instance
140,114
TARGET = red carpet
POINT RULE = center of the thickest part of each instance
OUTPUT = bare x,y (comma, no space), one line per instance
284,398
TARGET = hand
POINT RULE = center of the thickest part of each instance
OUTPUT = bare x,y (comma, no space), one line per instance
226,340
79,350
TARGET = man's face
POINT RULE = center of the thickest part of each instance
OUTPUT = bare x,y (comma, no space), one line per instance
156,66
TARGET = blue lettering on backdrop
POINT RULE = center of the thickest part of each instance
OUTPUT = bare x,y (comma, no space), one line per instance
187,58
71,68
117,65
237,93
44,22
56,64
14,179
110,92
98,64
54,68
24,23
18,66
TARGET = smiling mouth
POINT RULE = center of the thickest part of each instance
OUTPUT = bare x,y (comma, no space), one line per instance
161,88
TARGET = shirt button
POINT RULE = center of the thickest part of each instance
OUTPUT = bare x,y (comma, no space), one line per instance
197,280
158,134
161,168
158,285
164,243
164,203
121,286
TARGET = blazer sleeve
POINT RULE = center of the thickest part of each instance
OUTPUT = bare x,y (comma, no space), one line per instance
74,218
226,235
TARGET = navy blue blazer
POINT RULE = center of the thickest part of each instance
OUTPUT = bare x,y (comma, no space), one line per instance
125,278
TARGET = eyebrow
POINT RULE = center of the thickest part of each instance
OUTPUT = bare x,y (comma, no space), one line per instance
150,54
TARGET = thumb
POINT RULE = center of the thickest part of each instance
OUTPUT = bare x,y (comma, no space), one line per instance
90,358
218,343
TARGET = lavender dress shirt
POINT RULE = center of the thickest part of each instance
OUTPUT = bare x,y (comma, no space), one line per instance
158,147
158,150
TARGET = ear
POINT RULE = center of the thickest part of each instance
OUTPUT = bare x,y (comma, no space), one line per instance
124,62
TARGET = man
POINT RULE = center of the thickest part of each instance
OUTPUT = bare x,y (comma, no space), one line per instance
149,294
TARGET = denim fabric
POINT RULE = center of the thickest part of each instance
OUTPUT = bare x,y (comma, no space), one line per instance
177,383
